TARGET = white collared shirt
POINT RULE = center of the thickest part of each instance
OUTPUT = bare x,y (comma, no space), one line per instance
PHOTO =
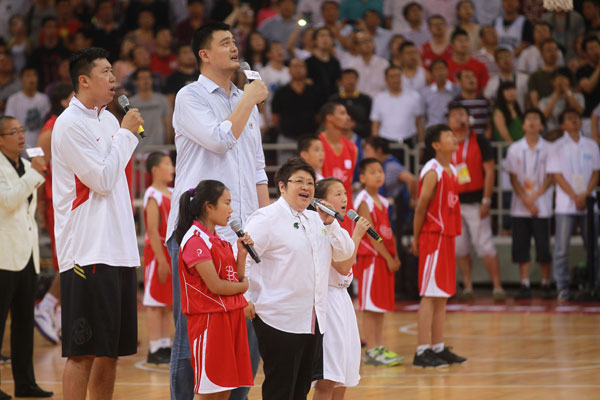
289,286
576,161
529,166
92,208
207,149
397,114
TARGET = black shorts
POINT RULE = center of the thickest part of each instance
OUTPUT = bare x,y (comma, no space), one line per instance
523,229
99,311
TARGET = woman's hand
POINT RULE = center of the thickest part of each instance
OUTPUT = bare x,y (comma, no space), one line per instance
246,239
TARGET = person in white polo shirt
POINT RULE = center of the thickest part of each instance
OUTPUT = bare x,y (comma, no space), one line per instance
574,162
531,207
96,243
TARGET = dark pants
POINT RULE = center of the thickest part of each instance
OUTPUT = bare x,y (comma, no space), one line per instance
288,361
17,296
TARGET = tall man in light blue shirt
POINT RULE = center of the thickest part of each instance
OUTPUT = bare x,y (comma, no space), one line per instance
217,136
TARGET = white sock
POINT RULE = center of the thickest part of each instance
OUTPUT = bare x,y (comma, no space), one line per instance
48,302
421,348
525,282
155,345
438,347
165,342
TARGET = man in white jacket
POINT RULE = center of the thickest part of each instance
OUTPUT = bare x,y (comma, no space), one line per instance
19,252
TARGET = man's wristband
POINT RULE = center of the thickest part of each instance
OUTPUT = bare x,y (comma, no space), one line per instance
486,201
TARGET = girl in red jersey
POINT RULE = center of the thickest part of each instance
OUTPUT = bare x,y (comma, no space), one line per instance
436,224
212,283
158,292
376,264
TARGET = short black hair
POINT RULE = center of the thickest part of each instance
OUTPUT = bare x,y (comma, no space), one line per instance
432,135
323,28
136,73
435,16
460,72
329,2
371,10
589,39
406,44
82,62
273,43
289,167
154,159
305,141
535,110
459,3
458,32
568,110
455,105
543,23
48,18
365,162
350,71
322,186
436,62
180,47
408,6
546,41
378,143
203,36
391,67
501,50
328,109
563,71
28,67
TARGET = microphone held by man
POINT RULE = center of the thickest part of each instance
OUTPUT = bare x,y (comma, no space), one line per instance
133,119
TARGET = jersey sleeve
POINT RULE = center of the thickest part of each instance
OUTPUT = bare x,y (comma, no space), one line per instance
195,251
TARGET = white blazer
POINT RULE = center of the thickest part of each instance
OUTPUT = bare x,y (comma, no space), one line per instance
18,229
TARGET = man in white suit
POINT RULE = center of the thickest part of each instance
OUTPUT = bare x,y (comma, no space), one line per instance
19,252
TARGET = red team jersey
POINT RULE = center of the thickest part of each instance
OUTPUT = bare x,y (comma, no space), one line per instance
375,280
427,54
437,257
341,166
161,293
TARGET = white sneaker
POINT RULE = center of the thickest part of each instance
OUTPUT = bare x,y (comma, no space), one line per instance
43,320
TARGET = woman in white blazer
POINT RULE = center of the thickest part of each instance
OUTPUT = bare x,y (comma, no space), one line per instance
19,252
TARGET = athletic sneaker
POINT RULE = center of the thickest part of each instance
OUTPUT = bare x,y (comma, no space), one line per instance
564,295
499,294
44,322
524,293
380,356
547,292
4,359
429,359
450,357
466,294
158,357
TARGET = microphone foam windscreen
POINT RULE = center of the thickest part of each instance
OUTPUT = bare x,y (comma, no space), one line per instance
244,66
235,225
352,214
123,101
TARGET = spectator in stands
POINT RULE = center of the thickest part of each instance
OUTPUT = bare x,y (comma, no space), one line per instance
186,72
310,149
141,59
531,58
461,59
465,12
280,27
394,16
566,26
416,30
185,29
40,10
295,107
439,94
477,105
539,81
514,30
107,33
68,25
590,10
323,68
562,97
489,45
63,77
19,45
358,104
507,118
312,10
11,9
82,39
370,67
19,254
588,78
531,207
124,65
397,113
414,76
396,56
486,11
163,61
256,51
445,8
29,106
269,10
381,36
330,11
474,162
154,107
355,9
439,46
144,34
307,43
506,66
9,84
275,75
575,181
48,55
242,21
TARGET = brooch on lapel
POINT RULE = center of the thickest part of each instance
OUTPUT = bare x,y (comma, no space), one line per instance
296,225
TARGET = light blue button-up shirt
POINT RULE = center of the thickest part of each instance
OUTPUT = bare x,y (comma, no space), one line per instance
207,149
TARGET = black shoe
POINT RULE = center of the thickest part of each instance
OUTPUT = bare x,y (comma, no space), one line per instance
166,351
4,360
524,293
429,359
158,357
547,292
450,357
32,391
4,396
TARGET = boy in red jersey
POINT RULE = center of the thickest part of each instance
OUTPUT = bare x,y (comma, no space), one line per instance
436,224
158,291
340,153
376,264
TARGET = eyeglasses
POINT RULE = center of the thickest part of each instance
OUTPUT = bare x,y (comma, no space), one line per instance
301,182
14,132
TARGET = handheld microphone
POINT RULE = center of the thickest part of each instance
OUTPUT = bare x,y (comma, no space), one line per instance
37,152
237,228
354,217
124,102
316,203
250,75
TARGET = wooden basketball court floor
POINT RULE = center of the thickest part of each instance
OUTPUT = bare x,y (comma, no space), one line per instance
527,350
